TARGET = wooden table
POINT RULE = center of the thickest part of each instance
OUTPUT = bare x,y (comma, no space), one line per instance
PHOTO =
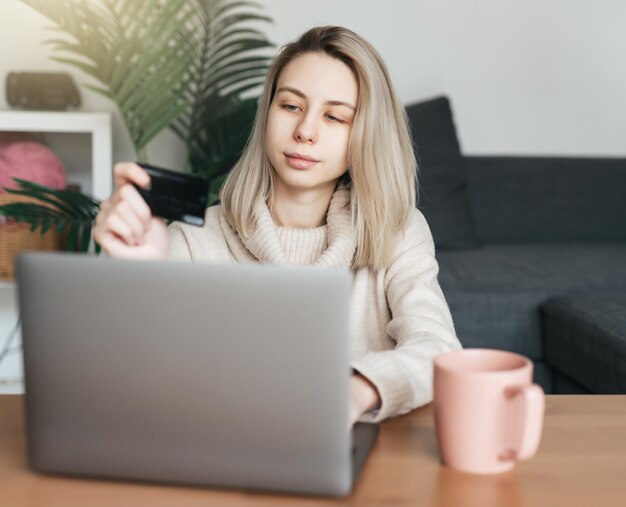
581,462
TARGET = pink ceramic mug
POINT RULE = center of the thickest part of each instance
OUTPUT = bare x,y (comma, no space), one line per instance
488,413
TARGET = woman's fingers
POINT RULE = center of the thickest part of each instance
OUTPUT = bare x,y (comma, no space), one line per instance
128,218
120,228
128,172
155,246
129,195
139,205
124,226
126,213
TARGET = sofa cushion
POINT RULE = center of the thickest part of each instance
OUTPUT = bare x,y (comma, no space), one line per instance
542,375
442,175
505,319
548,200
565,385
494,292
535,266
585,338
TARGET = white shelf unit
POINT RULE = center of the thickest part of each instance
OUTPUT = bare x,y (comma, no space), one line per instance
96,124
97,173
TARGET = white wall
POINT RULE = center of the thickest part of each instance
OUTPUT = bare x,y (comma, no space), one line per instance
527,77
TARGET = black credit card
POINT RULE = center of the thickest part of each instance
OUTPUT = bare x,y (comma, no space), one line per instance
175,196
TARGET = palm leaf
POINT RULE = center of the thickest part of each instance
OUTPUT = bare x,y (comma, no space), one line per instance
66,210
214,150
70,201
217,127
128,47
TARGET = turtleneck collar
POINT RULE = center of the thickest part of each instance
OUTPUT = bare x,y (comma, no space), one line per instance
332,245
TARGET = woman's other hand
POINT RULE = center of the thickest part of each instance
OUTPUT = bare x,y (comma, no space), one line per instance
124,226
363,397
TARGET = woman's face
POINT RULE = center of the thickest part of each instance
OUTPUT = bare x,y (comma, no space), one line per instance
309,123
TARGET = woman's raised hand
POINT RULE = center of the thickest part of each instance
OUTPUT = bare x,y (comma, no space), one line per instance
124,225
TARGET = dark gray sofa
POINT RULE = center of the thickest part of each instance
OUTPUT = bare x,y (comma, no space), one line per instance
525,244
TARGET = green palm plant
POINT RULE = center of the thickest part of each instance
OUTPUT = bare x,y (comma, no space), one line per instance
182,64
179,64
137,51
230,61
66,210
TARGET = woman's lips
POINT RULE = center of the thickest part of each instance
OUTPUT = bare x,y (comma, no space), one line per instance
299,163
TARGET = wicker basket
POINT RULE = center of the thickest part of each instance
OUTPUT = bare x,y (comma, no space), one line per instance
16,237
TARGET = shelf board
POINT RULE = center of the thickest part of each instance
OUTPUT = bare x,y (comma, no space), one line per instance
53,121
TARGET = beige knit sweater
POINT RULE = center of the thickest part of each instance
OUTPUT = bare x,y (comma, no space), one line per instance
399,318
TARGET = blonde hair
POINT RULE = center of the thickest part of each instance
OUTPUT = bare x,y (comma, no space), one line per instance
382,165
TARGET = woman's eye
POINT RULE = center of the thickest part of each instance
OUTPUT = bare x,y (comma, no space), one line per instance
334,118
290,107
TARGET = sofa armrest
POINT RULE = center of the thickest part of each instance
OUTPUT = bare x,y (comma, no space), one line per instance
548,199
585,338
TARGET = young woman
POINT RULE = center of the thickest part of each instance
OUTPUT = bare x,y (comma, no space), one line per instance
327,179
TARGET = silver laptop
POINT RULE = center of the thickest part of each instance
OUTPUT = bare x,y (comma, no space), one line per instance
231,376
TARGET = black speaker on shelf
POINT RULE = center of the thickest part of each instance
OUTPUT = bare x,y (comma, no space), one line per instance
41,90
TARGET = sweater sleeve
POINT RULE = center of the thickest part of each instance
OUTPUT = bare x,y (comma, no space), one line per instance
179,246
421,326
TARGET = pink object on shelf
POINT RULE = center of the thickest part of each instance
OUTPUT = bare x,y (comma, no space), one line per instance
22,157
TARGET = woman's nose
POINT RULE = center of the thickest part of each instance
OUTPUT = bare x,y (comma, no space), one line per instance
306,130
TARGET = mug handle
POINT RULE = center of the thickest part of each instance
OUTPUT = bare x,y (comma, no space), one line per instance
533,405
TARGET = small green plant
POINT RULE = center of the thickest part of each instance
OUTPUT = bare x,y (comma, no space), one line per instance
66,210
